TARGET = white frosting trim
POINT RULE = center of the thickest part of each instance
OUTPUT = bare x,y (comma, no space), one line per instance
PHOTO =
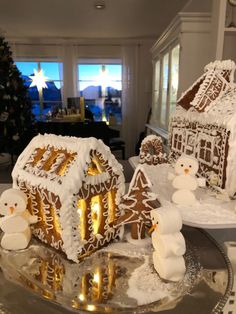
151,137
218,65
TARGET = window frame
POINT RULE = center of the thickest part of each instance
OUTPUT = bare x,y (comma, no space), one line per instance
48,60
157,103
99,61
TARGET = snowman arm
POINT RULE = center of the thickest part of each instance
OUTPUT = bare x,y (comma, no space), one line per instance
201,182
33,219
170,176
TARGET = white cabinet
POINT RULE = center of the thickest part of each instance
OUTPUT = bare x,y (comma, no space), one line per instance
224,29
179,57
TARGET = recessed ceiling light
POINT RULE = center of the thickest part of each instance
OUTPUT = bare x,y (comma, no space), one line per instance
99,5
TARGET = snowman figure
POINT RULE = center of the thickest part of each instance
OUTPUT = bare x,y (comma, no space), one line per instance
168,243
16,220
185,180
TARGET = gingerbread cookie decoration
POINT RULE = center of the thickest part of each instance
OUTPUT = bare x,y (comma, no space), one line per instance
137,204
151,151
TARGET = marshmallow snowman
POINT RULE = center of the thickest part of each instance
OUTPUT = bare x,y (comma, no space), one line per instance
16,220
185,180
168,243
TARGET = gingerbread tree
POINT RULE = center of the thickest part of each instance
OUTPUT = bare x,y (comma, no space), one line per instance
137,204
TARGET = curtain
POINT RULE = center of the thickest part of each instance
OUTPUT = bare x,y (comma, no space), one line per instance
69,58
130,114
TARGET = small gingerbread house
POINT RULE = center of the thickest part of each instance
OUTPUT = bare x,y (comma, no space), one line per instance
151,151
204,125
74,186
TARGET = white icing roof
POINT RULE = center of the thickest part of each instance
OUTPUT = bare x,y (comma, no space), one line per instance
76,172
225,93
221,112
221,65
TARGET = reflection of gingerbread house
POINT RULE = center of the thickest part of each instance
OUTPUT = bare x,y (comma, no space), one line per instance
48,274
74,186
204,125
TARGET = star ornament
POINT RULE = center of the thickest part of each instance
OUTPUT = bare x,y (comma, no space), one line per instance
38,80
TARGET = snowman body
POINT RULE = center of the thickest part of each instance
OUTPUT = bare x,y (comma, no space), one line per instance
185,180
16,221
168,243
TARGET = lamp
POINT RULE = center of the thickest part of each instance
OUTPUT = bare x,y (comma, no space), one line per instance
39,80
99,5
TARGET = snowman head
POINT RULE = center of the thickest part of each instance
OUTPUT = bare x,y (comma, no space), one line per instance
154,219
12,201
186,165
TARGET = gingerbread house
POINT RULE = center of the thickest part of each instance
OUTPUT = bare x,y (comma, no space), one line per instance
204,125
74,186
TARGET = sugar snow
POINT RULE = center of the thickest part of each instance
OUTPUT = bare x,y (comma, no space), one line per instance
207,212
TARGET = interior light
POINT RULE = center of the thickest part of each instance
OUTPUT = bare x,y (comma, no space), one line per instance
99,6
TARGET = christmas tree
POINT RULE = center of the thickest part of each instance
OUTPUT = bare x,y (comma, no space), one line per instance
16,127
137,205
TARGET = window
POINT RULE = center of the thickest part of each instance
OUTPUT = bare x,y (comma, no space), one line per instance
101,86
166,75
52,96
206,149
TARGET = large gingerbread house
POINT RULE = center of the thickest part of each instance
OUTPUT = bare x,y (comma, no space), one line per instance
74,186
204,125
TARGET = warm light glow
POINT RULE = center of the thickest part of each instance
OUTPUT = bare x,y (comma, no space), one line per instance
81,209
96,213
56,223
111,206
91,307
38,80
81,297
38,156
95,167
96,278
96,207
64,166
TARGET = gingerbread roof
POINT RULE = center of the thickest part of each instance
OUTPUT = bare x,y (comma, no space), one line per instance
210,87
53,162
221,112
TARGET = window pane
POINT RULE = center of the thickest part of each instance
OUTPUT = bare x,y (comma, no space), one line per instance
156,93
51,70
27,68
51,94
165,70
174,77
101,86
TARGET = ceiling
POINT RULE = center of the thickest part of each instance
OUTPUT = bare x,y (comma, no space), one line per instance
79,18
